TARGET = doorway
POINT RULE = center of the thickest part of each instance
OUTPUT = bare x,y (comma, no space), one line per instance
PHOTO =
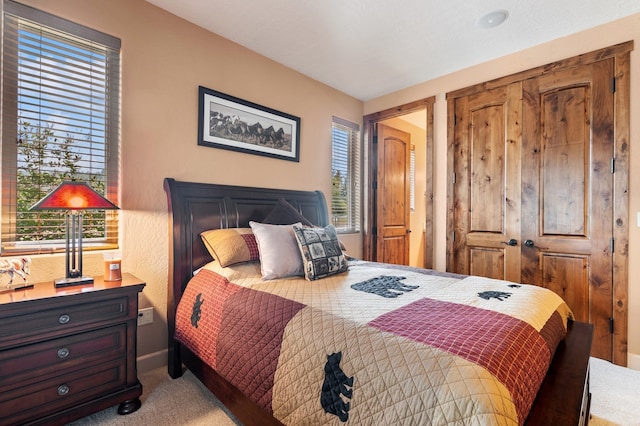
418,116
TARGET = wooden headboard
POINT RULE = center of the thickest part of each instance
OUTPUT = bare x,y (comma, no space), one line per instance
197,207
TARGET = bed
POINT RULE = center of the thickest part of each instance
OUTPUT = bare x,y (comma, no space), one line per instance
376,388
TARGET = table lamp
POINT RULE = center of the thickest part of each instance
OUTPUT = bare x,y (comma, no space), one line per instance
75,197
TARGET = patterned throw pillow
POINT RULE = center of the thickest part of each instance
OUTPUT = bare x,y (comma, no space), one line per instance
321,252
233,245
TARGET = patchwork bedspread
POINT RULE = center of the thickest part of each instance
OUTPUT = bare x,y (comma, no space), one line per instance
377,345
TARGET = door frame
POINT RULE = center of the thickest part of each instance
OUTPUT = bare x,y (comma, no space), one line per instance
621,54
371,165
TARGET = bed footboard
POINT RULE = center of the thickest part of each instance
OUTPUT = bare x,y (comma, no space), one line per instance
564,396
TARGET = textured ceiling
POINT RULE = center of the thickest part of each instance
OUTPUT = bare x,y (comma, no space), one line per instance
369,48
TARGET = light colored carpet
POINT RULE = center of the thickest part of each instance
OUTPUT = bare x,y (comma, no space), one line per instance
615,395
185,401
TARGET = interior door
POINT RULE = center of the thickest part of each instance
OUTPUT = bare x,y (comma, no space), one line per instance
392,195
533,190
487,184
567,226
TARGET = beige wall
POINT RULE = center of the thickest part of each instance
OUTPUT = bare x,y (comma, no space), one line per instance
617,32
164,60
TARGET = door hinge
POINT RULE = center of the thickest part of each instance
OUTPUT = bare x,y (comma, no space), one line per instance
453,177
613,165
374,230
612,244
453,235
613,85
374,185
611,325
375,140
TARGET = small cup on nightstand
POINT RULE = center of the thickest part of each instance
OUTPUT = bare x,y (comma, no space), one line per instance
112,263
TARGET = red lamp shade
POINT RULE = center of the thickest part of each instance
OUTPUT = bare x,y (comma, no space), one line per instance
74,196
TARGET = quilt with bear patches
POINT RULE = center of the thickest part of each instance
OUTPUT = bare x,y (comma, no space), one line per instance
379,344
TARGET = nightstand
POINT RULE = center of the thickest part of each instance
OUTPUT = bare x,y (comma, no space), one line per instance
68,352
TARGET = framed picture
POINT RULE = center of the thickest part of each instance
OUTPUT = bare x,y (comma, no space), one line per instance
230,123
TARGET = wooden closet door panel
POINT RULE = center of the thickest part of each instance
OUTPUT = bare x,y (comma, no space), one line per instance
487,183
567,192
488,186
565,156
486,262
458,256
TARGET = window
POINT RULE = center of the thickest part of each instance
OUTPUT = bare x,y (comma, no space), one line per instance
60,121
345,175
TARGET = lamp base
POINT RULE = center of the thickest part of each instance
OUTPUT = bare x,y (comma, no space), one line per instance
67,282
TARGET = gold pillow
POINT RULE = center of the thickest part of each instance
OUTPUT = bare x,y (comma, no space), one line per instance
233,245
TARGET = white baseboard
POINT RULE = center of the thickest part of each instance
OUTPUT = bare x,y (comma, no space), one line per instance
152,361
633,361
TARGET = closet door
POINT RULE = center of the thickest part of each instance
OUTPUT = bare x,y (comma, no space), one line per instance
487,184
533,188
567,202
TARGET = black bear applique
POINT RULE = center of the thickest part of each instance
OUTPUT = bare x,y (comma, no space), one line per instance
197,310
500,295
385,285
336,384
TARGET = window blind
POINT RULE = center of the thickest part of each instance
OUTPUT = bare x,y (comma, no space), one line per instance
345,175
60,121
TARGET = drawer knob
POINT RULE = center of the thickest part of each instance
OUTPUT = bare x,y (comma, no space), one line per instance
63,353
64,318
63,390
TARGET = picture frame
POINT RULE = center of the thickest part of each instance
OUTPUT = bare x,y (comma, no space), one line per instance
227,122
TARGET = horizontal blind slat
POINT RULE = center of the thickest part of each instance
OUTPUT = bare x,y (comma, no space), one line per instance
345,197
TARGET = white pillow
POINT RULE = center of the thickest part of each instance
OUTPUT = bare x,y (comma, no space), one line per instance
279,253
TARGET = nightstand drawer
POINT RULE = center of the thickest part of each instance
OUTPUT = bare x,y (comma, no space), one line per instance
63,320
68,352
26,364
32,401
